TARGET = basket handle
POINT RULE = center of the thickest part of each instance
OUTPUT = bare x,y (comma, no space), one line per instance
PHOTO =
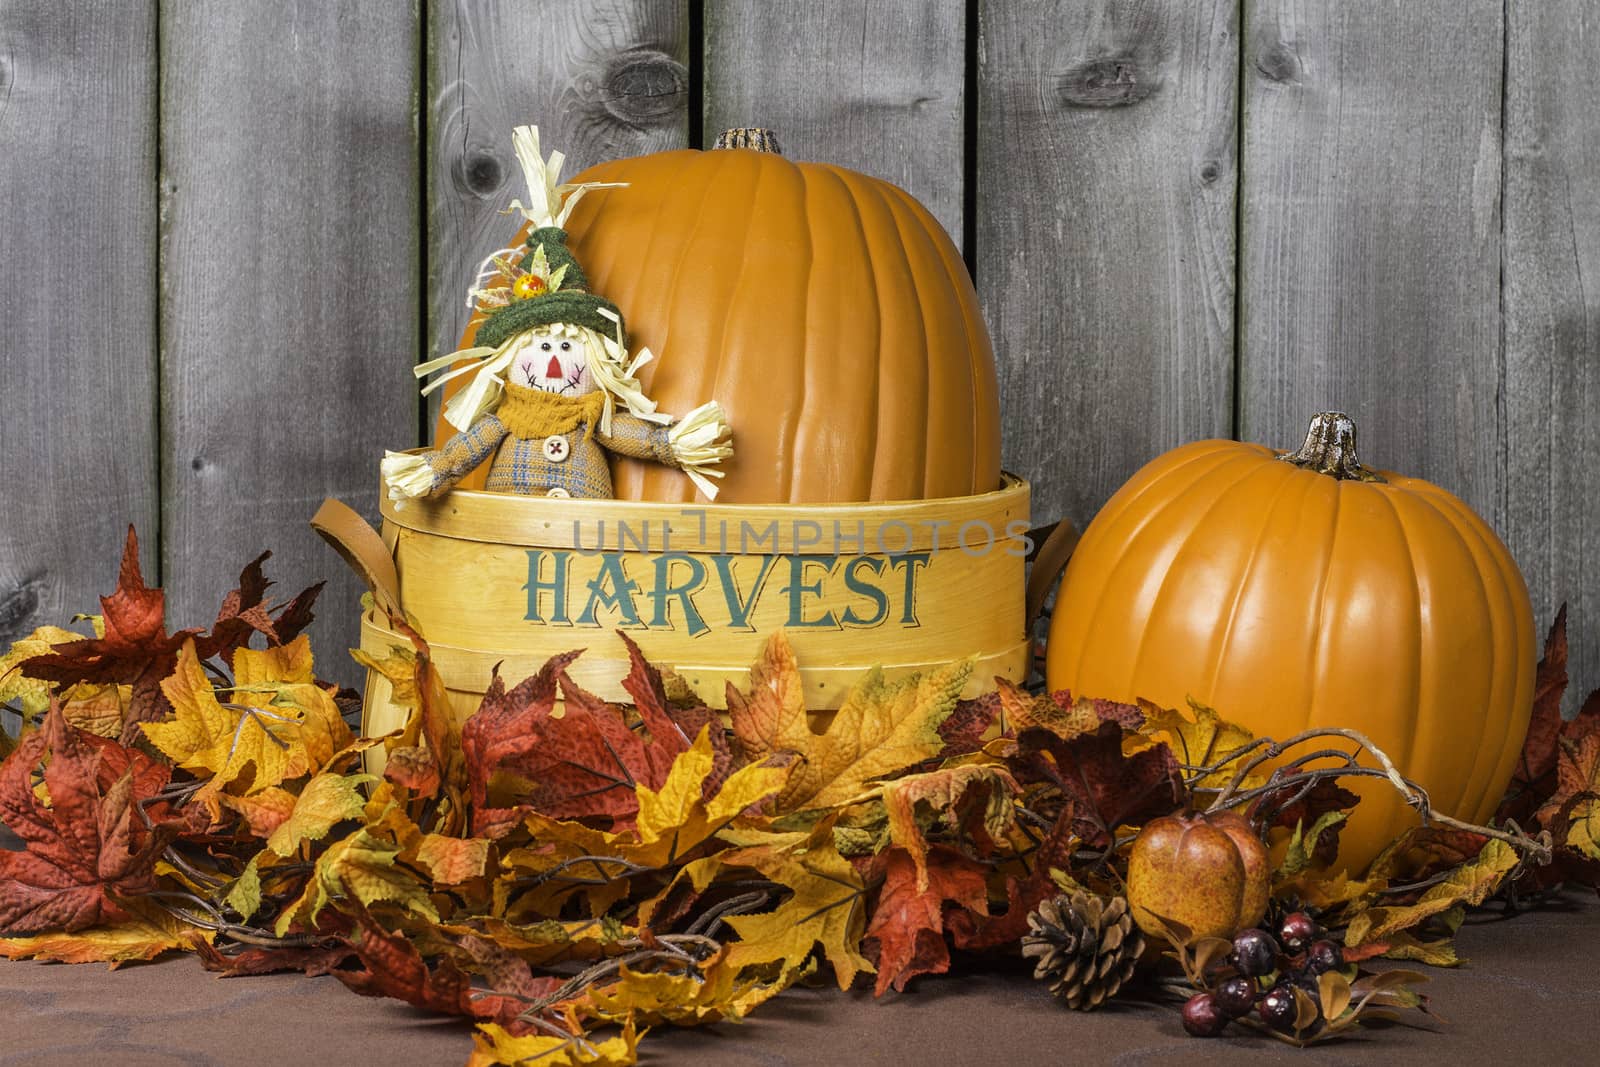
1053,547
359,545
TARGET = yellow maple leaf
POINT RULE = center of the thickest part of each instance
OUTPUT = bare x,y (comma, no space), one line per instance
882,727
31,695
1469,884
679,999
278,726
360,866
140,937
495,1046
828,908
1202,739
1583,833
324,802
672,822
399,667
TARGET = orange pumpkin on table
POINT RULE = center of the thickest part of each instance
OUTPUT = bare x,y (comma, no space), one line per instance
1303,589
826,311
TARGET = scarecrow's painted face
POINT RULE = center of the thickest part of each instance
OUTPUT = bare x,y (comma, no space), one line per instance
555,361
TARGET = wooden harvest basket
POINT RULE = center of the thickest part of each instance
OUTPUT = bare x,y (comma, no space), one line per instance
494,579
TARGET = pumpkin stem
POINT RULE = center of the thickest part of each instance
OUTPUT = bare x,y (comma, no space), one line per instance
1330,449
753,137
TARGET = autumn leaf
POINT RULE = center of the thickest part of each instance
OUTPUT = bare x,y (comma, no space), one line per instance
414,769
452,860
87,848
828,907
882,726
361,867
31,695
279,726
1469,884
989,789
245,613
1533,781
135,938
324,802
1203,740
135,650
720,991
263,812
908,923
1054,853
504,730
964,729
671,728
1108,788
772,718
391,966
495,1046
1060,712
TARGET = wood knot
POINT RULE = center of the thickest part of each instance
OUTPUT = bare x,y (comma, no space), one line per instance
1108,81
645,88
481,173
18,606
1278,62
1210,171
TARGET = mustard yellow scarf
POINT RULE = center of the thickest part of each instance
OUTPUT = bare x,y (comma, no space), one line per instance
534,413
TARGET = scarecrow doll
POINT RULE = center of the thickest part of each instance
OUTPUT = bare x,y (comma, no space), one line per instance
548,371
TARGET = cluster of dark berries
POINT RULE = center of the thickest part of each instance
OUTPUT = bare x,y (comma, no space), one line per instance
1262,975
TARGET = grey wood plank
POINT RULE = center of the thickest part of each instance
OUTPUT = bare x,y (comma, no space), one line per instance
1552,317
877,87
602,79
290,293
77,303
1370,233
1105,234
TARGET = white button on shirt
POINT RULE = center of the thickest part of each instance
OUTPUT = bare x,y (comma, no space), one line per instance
558,492
556,448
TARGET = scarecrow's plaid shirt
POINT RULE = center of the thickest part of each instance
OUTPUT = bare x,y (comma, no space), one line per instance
520,465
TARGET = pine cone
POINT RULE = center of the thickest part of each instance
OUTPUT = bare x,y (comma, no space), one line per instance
1086,944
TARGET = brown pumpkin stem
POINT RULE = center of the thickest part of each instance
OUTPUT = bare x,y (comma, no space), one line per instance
1330,449
753,137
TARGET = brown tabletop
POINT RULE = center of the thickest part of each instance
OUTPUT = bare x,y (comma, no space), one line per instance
1530,994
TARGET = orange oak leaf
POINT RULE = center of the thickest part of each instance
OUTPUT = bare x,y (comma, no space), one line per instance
908,924
88,845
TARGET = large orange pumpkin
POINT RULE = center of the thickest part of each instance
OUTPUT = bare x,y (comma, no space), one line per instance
1302,590
826,311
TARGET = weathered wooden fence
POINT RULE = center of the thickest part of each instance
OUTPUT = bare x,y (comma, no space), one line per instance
226,231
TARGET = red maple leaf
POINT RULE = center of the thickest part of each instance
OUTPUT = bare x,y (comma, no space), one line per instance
1534,780
672,728
1108,789
908,926
505,728
1022,894
136,649
89,844
588,762
962,731
245,612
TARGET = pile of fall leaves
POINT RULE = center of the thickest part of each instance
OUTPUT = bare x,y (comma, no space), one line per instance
569,872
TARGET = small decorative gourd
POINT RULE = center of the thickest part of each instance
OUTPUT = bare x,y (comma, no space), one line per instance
1304,589
550,363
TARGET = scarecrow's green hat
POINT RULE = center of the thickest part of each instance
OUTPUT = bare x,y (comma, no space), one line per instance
565,299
